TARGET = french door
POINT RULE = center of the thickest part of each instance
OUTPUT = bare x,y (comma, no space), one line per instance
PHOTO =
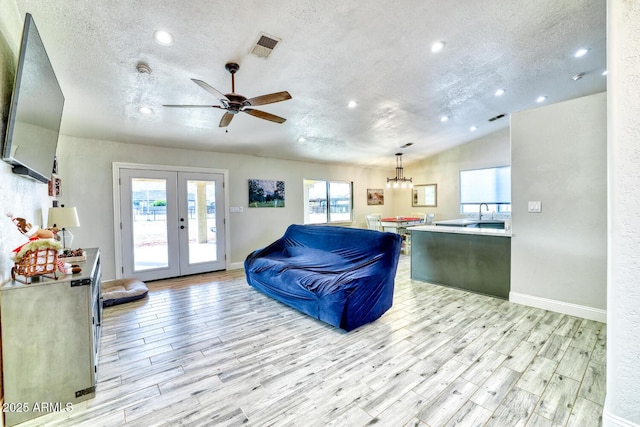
172,223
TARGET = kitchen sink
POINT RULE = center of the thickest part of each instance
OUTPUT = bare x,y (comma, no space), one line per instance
474,223
487,223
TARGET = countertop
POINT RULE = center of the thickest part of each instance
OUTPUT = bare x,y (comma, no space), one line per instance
462,230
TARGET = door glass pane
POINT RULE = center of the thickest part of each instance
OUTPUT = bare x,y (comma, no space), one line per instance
149,209
201,208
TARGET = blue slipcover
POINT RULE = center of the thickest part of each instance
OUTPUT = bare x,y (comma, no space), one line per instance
342,276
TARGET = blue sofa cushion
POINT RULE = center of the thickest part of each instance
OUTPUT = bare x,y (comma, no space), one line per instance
342,276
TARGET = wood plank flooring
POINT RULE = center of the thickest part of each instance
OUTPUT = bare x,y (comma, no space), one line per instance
209,350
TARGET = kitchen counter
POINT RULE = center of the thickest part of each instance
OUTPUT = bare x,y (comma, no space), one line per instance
473,222
468,258
462,230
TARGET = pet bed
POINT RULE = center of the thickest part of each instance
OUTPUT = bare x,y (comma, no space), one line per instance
122,290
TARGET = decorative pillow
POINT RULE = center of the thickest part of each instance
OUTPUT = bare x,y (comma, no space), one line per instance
122,290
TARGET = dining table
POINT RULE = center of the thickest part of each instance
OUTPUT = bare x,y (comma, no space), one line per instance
398,224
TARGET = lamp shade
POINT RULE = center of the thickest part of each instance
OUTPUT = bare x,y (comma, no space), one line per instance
63,218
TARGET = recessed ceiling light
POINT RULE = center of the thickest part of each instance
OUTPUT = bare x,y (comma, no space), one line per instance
302,139
541,99
437,47
473,128
444,119
604,73
581,52
163,38
145,110
352,104
499,92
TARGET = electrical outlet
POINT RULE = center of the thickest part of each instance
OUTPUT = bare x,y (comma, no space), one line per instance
535,207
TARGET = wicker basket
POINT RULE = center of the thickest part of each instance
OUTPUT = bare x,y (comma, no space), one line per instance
41,262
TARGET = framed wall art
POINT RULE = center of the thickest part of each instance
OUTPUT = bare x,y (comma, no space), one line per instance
265,193
375,196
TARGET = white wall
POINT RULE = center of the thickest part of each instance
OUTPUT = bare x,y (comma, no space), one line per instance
85,168
444,169
558,157
622,405
18,195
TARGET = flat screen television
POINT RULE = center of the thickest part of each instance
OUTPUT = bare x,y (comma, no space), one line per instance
35,112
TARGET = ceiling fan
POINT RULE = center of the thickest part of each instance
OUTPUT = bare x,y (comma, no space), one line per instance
234,103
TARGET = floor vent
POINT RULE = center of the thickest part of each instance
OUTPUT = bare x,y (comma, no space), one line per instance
265,46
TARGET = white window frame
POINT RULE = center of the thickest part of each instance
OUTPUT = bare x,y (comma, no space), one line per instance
321,214
501,207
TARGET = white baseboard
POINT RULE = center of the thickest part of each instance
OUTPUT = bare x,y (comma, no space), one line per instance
236,265
583,311
611,420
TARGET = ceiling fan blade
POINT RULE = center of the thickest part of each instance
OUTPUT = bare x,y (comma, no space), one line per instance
269,99
206,86
225,120
191,106
264,115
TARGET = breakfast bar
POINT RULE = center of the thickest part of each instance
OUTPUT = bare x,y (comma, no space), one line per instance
470,258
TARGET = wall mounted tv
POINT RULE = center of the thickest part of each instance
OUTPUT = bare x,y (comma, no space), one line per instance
35,112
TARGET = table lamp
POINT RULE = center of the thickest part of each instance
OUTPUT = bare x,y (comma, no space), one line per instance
62,218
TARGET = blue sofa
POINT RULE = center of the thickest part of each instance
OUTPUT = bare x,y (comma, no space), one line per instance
341,276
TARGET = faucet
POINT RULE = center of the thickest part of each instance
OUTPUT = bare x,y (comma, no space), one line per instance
480,211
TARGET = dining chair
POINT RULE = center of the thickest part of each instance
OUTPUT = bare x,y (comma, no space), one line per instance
374,222
421,215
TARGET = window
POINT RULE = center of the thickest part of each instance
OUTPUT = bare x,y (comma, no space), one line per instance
491,186
327,201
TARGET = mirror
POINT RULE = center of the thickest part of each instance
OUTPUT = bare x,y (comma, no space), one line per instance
425,195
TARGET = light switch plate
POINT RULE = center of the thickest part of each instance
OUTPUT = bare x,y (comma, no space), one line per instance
236,209
535,206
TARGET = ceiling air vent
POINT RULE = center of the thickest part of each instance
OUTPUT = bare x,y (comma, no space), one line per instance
265,45
499,116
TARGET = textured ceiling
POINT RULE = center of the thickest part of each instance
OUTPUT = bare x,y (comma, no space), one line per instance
332,51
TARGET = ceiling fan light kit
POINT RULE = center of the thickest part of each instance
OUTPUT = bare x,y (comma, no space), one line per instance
143,68
234,103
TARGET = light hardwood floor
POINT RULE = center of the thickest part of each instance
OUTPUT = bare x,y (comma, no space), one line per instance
209,350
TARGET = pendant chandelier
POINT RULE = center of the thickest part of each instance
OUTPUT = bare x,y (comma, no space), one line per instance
399,180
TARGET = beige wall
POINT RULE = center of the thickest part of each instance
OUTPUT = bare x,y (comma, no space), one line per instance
444,169
86,171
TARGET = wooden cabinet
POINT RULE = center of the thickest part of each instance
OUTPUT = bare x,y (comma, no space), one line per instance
50,341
